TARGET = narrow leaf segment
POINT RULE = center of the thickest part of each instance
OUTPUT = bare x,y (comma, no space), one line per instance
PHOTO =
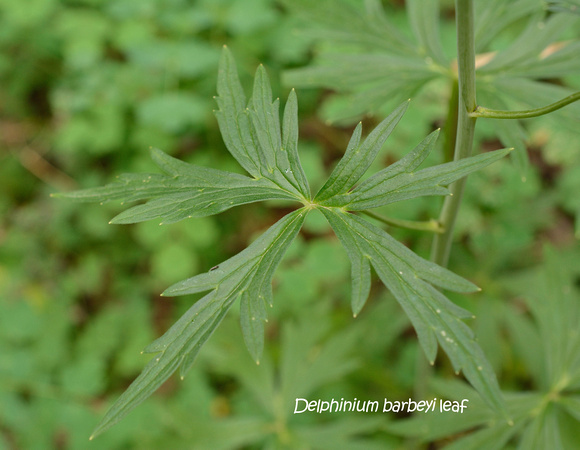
251,131
184,191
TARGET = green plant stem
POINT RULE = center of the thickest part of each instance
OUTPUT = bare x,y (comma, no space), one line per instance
450,130
465,126
430,225
482,111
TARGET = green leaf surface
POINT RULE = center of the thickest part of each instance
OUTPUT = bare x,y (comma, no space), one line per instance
249,272
252,132
398,181
435,318
494,16
289,151
359,157
185,191
342,71
424,19
181,341
559,60
526,341
530,43
343,433
341,21
557,319
569,6
232,117
543,432
267,149
490,427
489,438
368,58
248,275
572,405
311,359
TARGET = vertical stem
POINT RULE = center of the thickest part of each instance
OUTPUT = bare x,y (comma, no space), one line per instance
459,133
465,125
450,128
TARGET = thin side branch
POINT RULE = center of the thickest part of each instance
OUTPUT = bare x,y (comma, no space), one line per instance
482,111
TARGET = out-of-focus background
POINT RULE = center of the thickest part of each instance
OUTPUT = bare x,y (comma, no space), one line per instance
86,87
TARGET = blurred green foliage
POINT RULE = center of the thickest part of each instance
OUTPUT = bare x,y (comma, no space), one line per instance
86,86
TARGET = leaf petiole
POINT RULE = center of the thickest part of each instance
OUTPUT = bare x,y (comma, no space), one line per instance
482,111
429,225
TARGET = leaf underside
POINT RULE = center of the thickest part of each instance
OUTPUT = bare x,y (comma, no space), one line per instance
268,150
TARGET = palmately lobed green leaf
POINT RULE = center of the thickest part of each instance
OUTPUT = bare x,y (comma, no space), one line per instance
409,277
268,150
